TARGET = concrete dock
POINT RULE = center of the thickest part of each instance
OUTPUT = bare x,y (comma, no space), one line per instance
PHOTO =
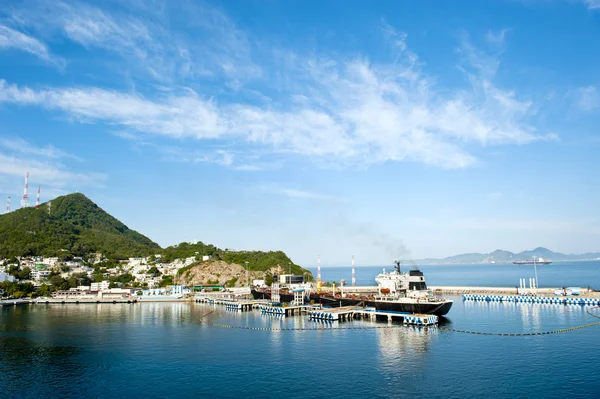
83,300
556,300
354,312
456,290
15,302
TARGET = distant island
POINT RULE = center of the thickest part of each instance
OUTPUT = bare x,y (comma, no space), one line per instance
501,256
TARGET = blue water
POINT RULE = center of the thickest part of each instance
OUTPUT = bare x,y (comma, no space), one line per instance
559,274
157,350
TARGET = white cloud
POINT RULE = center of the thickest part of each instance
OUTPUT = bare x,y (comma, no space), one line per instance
592,4
43,172
587,98
344,110
145,37
18,156
25,147
13,39
302,195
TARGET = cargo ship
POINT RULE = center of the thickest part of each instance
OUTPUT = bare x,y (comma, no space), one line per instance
538,261
398,291
407,292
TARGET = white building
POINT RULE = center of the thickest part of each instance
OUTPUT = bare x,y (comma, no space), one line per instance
38,275
6,277
100,286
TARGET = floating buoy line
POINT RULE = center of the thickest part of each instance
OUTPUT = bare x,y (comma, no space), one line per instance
325,328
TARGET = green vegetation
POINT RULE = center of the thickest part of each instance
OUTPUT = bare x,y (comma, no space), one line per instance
231,283
75,227
187,250
21,274
166,281
17,290
153,271
262,261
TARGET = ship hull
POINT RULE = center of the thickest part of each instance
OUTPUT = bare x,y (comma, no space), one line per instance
529,262
334,302
439,308
283,297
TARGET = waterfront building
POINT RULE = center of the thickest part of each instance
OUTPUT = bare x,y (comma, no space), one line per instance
100,286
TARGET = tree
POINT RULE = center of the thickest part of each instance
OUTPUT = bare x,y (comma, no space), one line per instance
166,281
154,272
44,290
269,279
24,274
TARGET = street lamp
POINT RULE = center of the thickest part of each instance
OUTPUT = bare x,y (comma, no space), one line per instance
290,271
247,281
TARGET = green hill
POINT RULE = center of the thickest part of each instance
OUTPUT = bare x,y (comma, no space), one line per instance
74,226
257,260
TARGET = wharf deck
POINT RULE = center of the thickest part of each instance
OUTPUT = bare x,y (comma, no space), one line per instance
353,312
233,304
555,300
83,300
286,310
503,291
15,302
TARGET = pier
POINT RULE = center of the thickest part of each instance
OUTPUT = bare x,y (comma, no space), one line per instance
14,302
83,300
353,312
557,300
285,310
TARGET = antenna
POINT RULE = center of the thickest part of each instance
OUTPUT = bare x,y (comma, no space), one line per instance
37,200
353,273
25,199
318,273
49,205
7,205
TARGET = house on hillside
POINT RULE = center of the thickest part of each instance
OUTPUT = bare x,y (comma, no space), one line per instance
6,277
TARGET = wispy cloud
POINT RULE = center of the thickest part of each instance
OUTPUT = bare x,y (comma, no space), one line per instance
301,194
592,4
25,147
18,156
587,98
210,45
13,39
336,110
46,172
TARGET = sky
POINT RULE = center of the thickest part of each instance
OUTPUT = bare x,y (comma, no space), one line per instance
387,129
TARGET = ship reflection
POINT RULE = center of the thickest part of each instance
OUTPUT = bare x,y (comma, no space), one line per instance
397,344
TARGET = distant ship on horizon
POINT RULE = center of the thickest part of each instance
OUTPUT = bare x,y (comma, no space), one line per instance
538,261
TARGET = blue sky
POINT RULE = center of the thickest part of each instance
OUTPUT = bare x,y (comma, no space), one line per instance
380,129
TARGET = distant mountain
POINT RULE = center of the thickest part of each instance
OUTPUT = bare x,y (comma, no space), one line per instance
73,225
501,256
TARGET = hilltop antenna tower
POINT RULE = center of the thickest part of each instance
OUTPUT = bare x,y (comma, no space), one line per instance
37,199
319,273
25,199
49,205
353,273
7,205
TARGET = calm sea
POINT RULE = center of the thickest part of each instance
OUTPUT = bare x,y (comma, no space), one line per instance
169,350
